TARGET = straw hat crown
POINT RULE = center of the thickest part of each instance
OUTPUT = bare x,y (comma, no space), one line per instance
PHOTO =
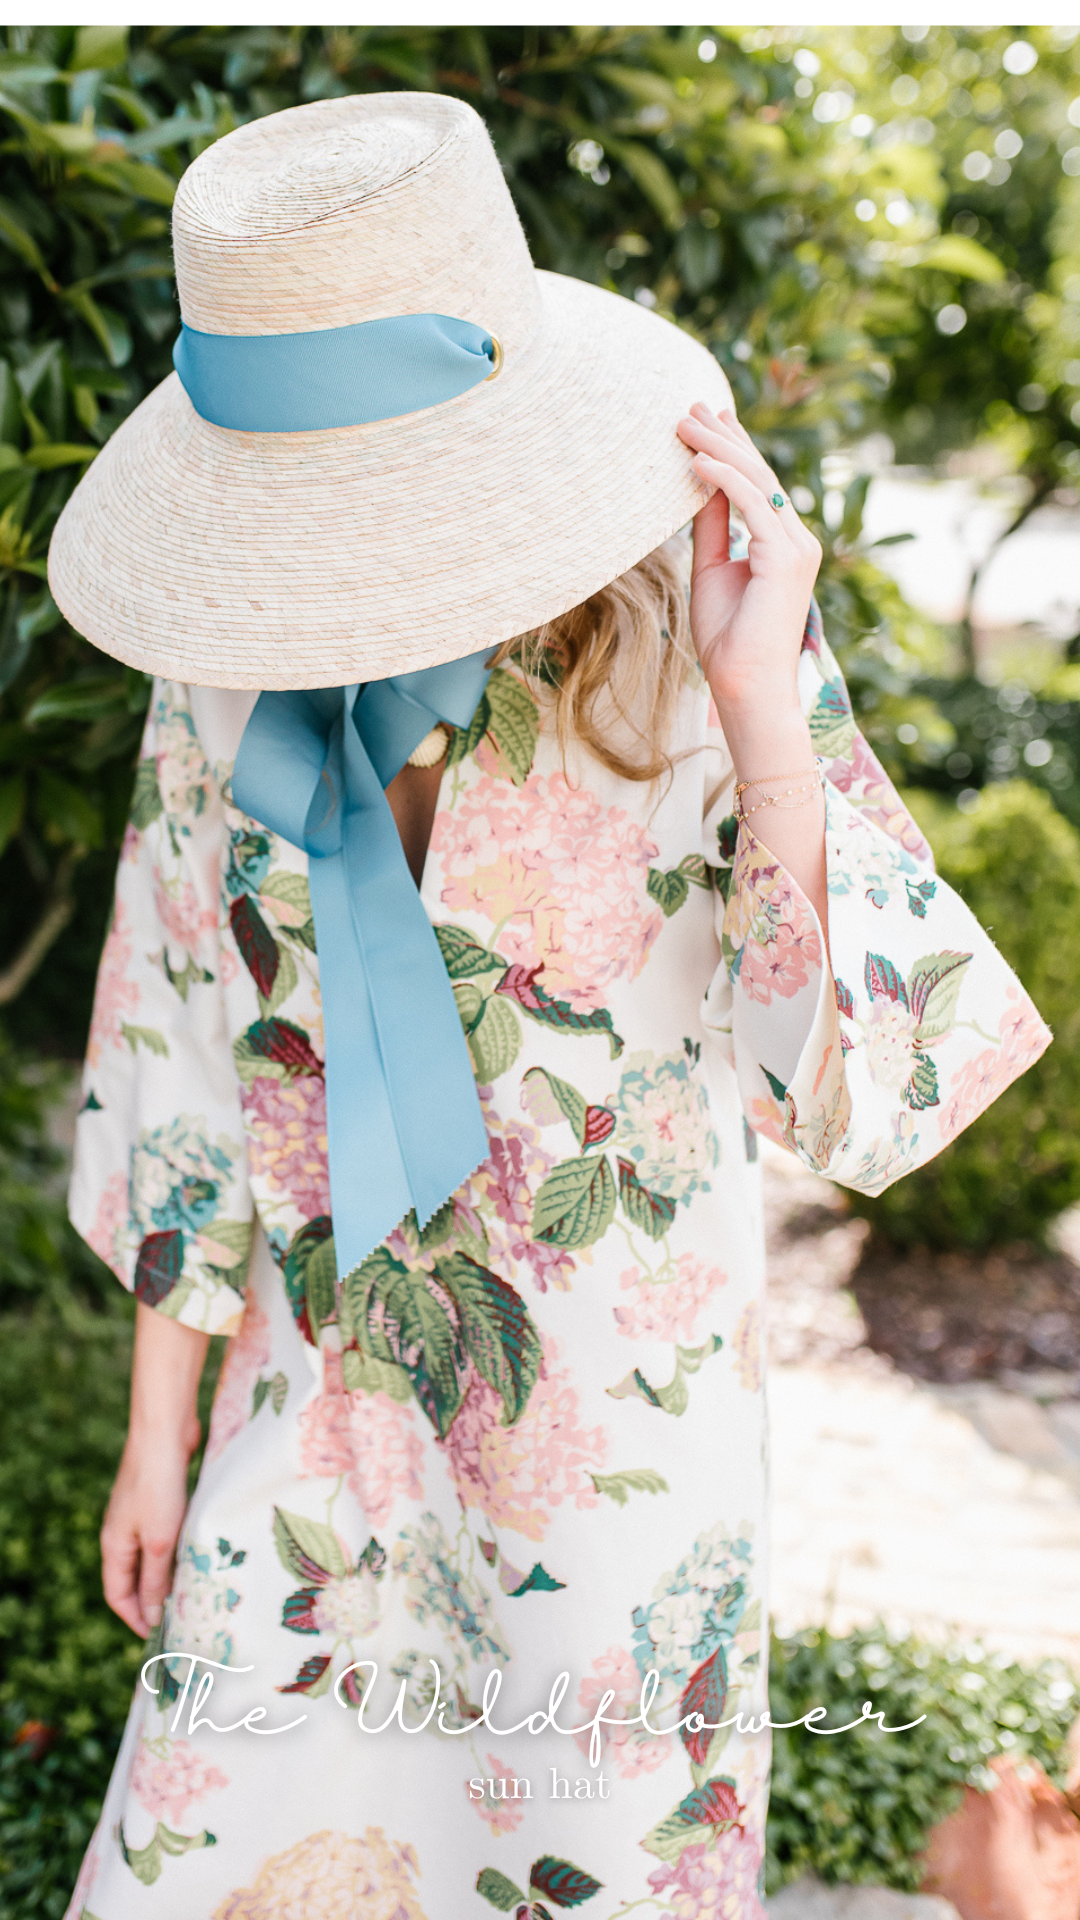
350,210
315,556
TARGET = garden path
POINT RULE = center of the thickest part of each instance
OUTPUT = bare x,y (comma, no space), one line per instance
945,1506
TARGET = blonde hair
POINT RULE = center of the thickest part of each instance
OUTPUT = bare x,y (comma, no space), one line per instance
626,649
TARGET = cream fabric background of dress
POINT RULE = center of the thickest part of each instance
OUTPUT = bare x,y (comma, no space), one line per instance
533,1441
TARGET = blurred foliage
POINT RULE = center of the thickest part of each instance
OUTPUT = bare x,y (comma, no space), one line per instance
1016,862
797,197
68,1665
857,1809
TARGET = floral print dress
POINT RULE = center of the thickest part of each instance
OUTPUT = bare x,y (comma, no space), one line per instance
528,1442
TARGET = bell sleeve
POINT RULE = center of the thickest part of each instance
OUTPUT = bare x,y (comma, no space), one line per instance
867,1067
160,1188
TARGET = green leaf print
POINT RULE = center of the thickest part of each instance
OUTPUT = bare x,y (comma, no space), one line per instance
619,1486
670,890
313,1678
569,1102
285,981
182,979
933,990
362,1373
469,1002
146,1862
147,1037
146,801
404,1317
513,723
675,1397
308,1548
500,1337
257,946
465,740
305,1243
494,1039
275,1390
652,1212
464,956
277,1048
497,1889
514,1582
705,1693
522,985
576,1203
922,1089
696,1821
320,1285
562,1883
288,897
158,1267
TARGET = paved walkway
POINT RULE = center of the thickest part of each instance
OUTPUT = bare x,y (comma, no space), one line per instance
939,1508
947,1510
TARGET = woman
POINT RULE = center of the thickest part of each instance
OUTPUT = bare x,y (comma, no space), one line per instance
474,1571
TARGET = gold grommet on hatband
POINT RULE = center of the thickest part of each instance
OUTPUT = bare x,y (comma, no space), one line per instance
497,360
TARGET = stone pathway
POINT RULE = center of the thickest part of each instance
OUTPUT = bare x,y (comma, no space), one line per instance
940,1507
951,1509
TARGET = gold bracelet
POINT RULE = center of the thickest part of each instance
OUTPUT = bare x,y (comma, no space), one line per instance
784,802
767,779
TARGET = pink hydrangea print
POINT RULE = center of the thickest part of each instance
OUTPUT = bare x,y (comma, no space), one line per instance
502,1811
287,1145
117,996
183,921
746,1346
331,1876
368,1438
561,877
248,1352
783,947
715,1882
107,1234
518,1475
630,1749
499,1198
667,1309
1024,1034
169,1776
862,778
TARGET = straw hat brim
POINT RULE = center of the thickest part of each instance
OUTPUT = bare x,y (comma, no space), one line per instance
236,559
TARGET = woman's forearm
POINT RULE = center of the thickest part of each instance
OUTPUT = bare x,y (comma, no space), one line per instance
146,1509
773,743
168,1363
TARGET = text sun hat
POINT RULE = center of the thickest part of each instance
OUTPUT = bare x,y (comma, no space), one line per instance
390,439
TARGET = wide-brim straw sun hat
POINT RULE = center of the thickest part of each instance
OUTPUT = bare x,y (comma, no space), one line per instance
251,544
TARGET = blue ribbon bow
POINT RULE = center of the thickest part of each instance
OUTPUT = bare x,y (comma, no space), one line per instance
403,1115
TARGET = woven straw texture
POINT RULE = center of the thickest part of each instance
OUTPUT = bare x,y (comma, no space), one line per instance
238,559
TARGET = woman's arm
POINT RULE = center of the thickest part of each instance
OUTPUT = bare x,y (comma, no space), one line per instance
747,618
146,1508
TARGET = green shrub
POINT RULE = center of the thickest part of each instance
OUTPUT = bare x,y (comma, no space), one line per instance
1016,861
857,1808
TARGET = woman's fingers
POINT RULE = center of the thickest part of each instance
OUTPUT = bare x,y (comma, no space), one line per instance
763,522
120,1575
155,1578
712,532
724,439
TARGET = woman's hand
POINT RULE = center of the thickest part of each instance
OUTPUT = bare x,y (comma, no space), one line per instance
747,616
148,1501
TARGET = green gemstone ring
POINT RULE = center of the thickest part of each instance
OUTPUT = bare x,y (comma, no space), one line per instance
777,500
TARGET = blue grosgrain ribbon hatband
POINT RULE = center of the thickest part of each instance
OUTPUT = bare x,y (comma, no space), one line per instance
337,377
403,1114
